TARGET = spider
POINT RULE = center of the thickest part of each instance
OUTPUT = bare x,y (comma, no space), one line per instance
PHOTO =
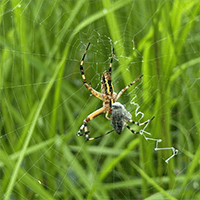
110,105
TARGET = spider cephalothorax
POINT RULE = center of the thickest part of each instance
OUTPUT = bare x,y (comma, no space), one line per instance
108,89
110,105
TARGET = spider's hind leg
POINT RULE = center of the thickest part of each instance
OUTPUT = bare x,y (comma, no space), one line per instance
138,124
131,128
141,124
86,120
80,130
86,132
101,135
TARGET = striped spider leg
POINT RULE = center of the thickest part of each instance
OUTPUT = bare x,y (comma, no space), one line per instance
138,124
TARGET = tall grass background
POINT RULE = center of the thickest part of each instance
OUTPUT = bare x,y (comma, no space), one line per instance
43,101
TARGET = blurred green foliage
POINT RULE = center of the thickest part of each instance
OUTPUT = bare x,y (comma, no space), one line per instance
43,101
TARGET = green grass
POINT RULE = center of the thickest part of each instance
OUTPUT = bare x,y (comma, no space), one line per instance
43,101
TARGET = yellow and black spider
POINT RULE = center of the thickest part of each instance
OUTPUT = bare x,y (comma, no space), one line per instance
110,105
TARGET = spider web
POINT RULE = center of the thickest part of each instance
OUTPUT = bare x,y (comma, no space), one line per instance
40,155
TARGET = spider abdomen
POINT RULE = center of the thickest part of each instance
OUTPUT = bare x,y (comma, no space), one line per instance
117,120
118,116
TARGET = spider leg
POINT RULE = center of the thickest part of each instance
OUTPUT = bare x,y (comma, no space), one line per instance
87,119
107,116
137,123
123,90
100,135
141,124
131,128
110,67
93,91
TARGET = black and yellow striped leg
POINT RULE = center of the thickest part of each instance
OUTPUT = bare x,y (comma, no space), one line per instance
131,128
141,124
101,135
93,91
86,132
84,126
81,65
123,90
110,67
137,123
86,120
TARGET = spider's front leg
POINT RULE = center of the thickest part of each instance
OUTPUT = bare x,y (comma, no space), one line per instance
88,86
128,86
86,120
